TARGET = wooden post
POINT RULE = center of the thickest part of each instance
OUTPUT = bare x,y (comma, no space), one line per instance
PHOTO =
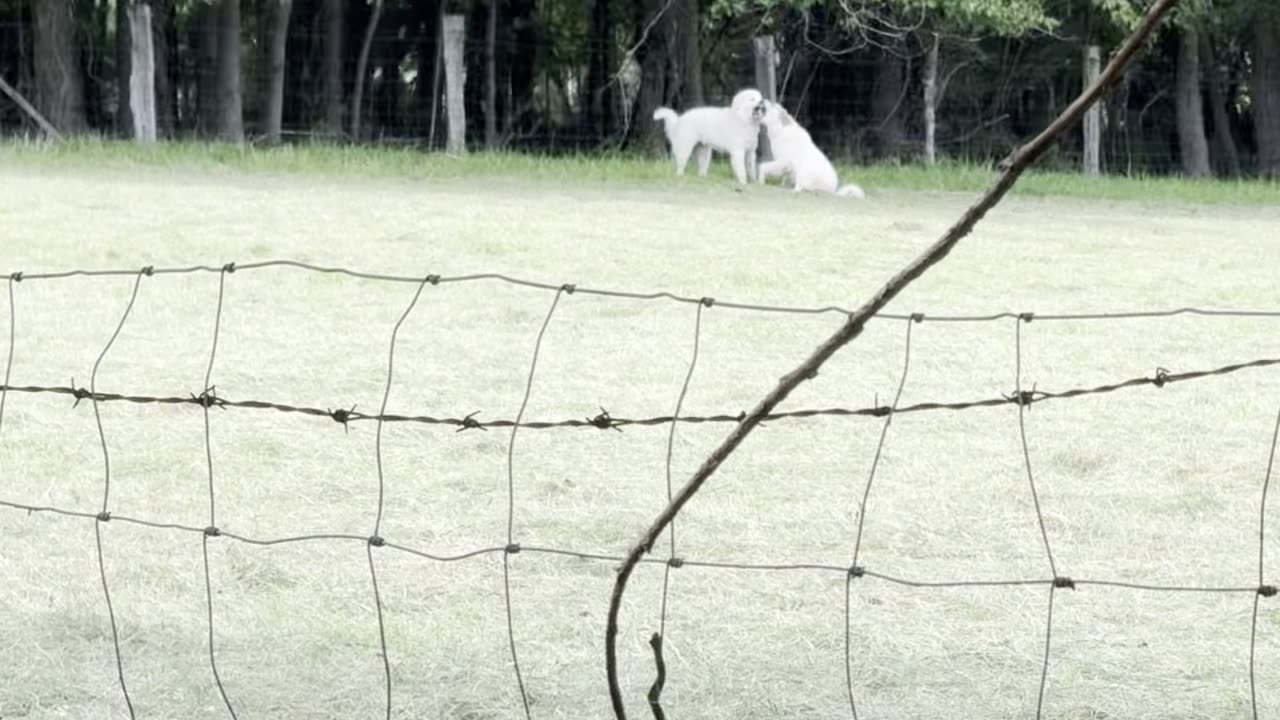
453,37
142,73
1092,118
765,50
931,101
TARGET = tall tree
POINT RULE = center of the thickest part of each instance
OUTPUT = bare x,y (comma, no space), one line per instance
362,68
598,101
1265,85
491,76
274,101
653,34
59,79
230,113
1193,146
1224,141
688,30
334,35
124,116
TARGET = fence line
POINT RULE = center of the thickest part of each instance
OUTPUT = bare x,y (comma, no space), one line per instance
569,288
208,399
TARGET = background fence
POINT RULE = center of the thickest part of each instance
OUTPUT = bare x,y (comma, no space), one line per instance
587,76
211,404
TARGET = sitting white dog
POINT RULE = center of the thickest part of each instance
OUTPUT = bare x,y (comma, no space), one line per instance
734,130
795,156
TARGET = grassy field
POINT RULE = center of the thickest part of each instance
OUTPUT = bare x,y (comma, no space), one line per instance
1145,485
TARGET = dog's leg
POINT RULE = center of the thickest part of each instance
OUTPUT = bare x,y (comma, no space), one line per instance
739,162
753,162
704,158
681,151
771,168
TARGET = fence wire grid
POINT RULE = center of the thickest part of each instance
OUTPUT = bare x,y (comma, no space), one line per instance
208,398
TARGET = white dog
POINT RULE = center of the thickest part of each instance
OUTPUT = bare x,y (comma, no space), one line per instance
795,155
734,130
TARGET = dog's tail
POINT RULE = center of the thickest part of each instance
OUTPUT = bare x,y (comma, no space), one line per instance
668,118
851,190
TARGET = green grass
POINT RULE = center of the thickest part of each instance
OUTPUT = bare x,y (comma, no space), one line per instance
323,159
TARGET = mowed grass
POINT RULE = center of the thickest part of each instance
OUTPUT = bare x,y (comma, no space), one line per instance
390,162
1154,486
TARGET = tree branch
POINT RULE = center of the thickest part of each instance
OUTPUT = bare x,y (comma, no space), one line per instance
1010,169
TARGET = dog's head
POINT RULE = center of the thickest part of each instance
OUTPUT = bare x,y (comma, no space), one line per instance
750,105
776,116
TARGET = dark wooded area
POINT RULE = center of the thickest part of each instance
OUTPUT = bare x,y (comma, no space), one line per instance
894,80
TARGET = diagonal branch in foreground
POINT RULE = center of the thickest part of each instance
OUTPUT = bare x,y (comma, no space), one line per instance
1010,169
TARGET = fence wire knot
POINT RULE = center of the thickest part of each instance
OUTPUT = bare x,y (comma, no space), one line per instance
229,268
471,423
148,270
604,421
1064,582
568,288
857,571
1162,377
675,562
103,516
1267,591
1026,397
1026,317
433,279
342,417
212,531
512,549
79,393
917,317
16,277
704,302
209,398
881,410
377,541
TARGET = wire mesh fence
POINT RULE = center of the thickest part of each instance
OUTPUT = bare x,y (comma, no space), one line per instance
377,541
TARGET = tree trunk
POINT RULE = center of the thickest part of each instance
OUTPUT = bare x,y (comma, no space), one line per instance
453,35
142,73
1266,92
491,77
886,103
124,117
522,62
163,38
206,20
598,98
59,78
274,101
334,29
1224,142
653,56
688,52
1193,147
230,126
931,100
362,67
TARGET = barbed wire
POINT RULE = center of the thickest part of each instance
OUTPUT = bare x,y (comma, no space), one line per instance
856,571
606,421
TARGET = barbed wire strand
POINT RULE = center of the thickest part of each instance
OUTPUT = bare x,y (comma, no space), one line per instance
206,398
375,540
512,548
657,295
855,570
1024,401
672,559
1159,379
104,515
1262,586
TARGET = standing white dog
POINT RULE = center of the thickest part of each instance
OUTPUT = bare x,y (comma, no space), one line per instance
734,130
795,155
